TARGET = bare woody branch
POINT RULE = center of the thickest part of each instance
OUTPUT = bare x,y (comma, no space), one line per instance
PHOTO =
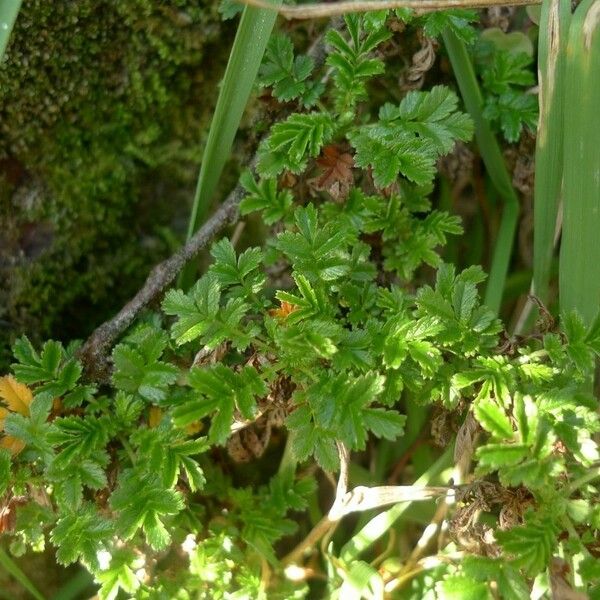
322,10
94,353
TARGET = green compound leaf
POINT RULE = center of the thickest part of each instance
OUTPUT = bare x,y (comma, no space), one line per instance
390,151
78,536
263,196
54,370
496,456
200,315
455,20
319,252
433,116
513,110
508,69
69,481
238,273
288,75
339,407
141,500
118,576
312,303
352,59
383,423
410,137
511,584
493,418
138,369
223,390
195,311
293,141
504,75
531,545
165,451
79,438
461,587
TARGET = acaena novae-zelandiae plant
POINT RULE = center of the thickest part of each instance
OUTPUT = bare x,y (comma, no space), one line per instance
260,435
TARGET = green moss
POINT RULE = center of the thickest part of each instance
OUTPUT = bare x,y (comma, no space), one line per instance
102,105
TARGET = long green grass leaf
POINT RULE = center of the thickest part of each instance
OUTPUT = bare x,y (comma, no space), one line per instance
553,36
246,55
75,587
11,567
494,164
579,275
9,9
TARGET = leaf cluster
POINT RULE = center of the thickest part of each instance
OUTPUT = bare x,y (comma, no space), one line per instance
507,76
346,332
287,75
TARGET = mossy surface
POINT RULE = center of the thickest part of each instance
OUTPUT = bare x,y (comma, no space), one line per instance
103,105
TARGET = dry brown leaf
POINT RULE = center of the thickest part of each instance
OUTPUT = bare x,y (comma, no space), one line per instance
155,416
443,427
207,356
16,396
250,442
422,61
337,177
194,428
465,444
288,180
12,444
560,587
8,516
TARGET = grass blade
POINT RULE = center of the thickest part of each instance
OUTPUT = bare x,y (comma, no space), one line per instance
76,587
11,567
553,36
494,164
9,9
579,275
246,55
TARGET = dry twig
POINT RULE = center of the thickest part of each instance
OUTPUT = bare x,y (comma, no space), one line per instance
321,10
94,353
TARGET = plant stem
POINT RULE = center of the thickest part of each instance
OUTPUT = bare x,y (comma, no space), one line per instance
589,476
494,163
288,460
429,562
128,449
310,541
11,567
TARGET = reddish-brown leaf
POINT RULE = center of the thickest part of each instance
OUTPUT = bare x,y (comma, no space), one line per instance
336,178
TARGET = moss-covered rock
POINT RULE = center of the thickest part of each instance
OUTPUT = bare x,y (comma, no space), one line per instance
102,107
